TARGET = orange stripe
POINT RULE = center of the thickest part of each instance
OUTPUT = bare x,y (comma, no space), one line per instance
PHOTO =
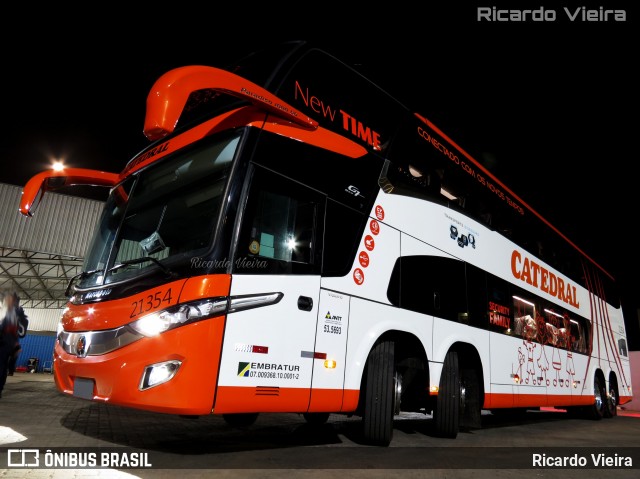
208,286
350,400
325,400
235,399
498,400
624,399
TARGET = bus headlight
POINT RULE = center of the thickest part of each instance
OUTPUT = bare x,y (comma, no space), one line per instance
170,318
160,321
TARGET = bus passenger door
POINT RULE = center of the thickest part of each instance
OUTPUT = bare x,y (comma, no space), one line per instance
268,348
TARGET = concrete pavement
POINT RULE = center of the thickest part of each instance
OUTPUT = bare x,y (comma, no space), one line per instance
35,416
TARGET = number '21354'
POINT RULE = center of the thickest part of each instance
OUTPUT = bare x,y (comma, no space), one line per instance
149,302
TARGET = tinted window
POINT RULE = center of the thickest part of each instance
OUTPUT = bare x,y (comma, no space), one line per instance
280,228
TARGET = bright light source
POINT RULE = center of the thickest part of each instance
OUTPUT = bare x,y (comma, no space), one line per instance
291,243
57,165
330,364
159,373
451,196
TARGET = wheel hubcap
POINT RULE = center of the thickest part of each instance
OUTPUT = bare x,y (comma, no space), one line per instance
463,398
598,396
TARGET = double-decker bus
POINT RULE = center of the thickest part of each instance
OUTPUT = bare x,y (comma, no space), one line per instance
294,239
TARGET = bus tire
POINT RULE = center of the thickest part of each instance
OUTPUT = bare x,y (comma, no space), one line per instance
316,418
244,419
379,397
611,400
597,410
446,416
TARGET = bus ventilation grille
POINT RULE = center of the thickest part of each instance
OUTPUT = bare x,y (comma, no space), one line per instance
267,391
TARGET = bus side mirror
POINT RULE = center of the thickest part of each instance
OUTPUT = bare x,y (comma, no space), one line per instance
32,194
51,180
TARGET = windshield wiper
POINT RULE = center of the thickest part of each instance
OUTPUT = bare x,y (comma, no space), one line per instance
79,277
143,259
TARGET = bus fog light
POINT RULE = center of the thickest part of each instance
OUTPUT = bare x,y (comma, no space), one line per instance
159,373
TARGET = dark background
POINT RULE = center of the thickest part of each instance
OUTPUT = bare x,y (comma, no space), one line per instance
551,108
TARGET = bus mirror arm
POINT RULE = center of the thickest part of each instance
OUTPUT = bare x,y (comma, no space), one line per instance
168,98
51,180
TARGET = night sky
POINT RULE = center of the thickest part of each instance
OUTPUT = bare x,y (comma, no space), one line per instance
550,107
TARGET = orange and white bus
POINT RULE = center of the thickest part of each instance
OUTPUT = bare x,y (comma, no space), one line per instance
295,240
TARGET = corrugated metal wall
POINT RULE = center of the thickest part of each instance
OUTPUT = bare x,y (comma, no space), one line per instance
39,346
61,224
43,319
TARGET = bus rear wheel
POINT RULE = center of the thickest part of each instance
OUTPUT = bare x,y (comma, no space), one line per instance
611,400
380,395
446,416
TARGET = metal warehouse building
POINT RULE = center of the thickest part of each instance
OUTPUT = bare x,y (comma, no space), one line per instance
38,257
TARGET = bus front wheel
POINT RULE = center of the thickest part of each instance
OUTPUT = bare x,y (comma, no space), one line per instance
380,397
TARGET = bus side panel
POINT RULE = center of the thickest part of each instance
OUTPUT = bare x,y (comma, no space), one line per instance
618,354
446,333
368,279
577,372
368,321
558,370
267,356
442,289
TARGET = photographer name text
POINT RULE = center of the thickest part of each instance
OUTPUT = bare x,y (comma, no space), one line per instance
577,460
542,14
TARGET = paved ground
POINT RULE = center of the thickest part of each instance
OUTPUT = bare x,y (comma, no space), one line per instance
35,416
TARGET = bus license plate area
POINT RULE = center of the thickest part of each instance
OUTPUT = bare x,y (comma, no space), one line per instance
83,388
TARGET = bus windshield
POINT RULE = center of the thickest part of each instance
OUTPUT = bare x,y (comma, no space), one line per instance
161,216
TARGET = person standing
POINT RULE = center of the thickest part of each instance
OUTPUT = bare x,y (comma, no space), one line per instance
23,323
8,335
